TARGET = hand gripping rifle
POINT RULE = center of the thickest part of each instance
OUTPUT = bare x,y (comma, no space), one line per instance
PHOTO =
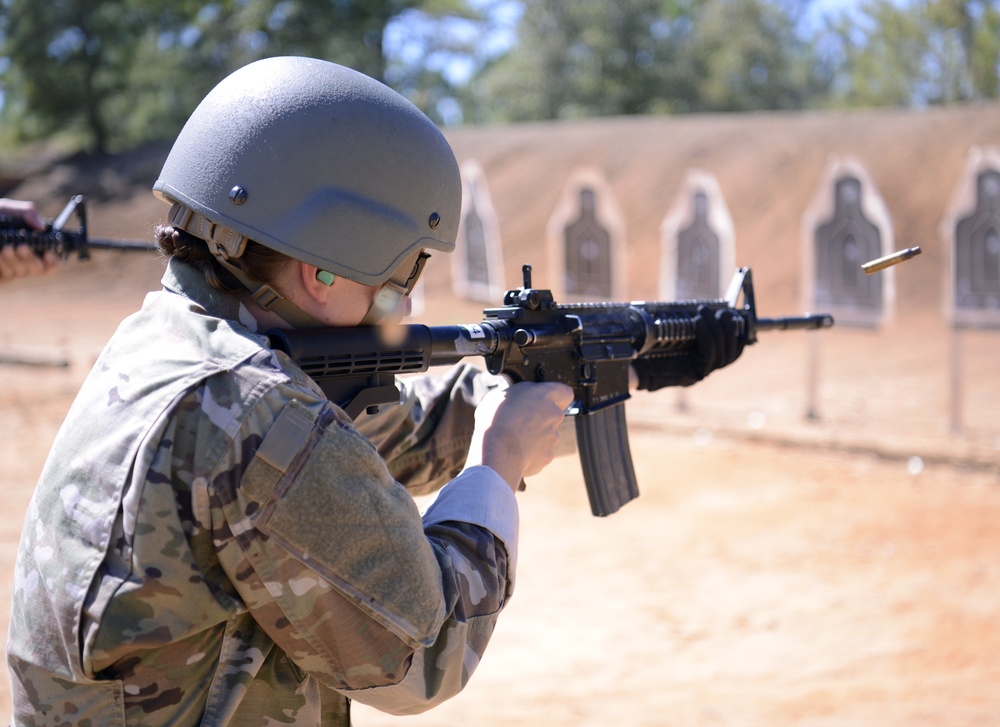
57,238
588,346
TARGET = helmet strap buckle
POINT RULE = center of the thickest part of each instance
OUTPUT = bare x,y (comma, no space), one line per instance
222,242
265,296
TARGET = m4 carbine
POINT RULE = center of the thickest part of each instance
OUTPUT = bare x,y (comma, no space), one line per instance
58,238
589,346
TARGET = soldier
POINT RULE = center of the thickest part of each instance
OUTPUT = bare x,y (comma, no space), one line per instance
212,542
18,261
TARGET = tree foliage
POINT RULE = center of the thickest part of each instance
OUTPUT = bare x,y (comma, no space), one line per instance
121,73
116,74
576,59
591,57
925,52
645,56
747,57
66,61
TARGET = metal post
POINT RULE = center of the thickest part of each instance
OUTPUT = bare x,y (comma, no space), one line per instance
812,377
956,380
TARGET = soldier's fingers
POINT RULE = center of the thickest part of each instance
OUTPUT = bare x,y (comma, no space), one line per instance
8,264
25,210
30,263
50,261
31,219
731,325
560,394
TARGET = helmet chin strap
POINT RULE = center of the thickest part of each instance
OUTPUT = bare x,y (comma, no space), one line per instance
271,300
226,245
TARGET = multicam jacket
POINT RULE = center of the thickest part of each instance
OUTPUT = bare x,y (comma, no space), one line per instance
213,543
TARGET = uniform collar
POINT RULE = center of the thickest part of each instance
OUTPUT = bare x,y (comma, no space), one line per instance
183,279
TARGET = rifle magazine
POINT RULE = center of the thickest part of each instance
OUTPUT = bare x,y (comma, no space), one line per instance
602,438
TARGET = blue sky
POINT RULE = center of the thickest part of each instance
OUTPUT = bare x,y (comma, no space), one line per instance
819,8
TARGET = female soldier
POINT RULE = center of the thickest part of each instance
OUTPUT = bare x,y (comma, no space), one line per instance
211,541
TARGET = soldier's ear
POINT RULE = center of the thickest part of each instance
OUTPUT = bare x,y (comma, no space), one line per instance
317,283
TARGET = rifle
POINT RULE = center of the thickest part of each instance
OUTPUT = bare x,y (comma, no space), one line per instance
589,346
56,238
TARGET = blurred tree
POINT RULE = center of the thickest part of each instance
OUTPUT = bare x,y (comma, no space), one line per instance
592,57
431,57
584,58
881,54
65,59
746,55
965,48
121,73
124,72
925,52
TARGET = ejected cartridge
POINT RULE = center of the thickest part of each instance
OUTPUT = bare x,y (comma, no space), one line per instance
889,260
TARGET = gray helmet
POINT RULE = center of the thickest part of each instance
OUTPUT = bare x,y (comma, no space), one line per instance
316,161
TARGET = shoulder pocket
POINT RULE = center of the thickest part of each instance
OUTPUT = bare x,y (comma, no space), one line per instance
326,497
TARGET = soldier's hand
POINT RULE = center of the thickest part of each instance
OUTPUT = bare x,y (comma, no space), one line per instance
23,210
720,336
517,429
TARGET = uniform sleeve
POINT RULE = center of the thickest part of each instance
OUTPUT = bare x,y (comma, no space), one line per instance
331,557
425,439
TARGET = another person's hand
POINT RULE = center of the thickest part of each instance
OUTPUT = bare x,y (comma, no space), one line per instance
20,261
517,429
22,209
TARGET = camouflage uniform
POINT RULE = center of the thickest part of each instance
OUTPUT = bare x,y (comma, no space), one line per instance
212,542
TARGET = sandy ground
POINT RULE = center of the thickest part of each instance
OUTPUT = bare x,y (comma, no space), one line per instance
775,571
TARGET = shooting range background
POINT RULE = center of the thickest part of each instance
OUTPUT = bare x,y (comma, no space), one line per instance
775,570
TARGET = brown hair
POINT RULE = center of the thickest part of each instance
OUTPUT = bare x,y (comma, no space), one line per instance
258,262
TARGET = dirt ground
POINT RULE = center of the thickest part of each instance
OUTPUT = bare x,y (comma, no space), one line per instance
775,570
835,571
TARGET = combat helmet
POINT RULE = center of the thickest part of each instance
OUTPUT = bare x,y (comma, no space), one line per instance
318,162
